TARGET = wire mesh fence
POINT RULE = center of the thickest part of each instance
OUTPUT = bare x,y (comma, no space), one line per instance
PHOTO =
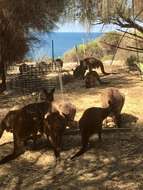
25,82
32,78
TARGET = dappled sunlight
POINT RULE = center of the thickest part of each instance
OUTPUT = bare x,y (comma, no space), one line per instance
116,163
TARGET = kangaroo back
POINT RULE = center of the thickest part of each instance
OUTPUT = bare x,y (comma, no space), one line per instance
117,100
91,123
7,122
92,62
26,122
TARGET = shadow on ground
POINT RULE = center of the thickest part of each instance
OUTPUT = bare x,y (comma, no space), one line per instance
117,163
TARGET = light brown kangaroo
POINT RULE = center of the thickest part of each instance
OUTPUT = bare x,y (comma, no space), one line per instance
117,100
91,79
91,123
92,62
26,122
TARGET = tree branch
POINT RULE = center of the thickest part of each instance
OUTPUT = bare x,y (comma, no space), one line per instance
132,47
140,37
127,49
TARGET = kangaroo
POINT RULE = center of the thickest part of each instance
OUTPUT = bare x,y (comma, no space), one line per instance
23,68
91,79
6,123
59,63
79,72
25,122
117,100
91,123
68,110
92,62
54,126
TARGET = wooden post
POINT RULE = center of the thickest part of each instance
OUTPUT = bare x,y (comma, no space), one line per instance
52,50
53,64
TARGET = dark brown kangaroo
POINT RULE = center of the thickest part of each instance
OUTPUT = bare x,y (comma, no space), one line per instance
92,62
59,62
117,100
54,126
24,68
90,123
26,122
79,72
62,115
6,123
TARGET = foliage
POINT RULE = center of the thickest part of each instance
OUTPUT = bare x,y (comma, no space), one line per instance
124,13
112,38
105,47
96,48
91,48
19,20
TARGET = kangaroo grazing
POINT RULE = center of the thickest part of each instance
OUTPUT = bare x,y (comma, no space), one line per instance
91,123
92,62
79,72
117,100
26,122
54,126
68,110
91,79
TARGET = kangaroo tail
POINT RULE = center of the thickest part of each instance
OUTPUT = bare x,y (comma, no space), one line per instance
9,158
80,152
102,69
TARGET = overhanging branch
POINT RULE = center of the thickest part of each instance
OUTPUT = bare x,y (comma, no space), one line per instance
126,49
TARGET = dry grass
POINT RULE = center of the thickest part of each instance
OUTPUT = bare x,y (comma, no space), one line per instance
117,163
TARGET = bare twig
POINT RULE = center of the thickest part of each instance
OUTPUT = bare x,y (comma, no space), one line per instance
140,37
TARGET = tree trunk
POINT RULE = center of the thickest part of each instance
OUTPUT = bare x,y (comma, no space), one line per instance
3,77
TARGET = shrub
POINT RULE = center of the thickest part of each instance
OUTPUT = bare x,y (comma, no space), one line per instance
112,38
90,49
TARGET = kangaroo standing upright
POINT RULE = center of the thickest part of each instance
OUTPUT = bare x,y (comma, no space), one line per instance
26,122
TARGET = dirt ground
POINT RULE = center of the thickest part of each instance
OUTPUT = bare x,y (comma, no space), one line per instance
116,164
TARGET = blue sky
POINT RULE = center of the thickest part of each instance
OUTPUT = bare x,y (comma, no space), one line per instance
76,27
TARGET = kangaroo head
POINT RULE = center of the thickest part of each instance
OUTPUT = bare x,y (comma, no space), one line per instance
49,95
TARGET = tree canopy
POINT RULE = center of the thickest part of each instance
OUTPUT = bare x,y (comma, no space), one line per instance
17,20
125,13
